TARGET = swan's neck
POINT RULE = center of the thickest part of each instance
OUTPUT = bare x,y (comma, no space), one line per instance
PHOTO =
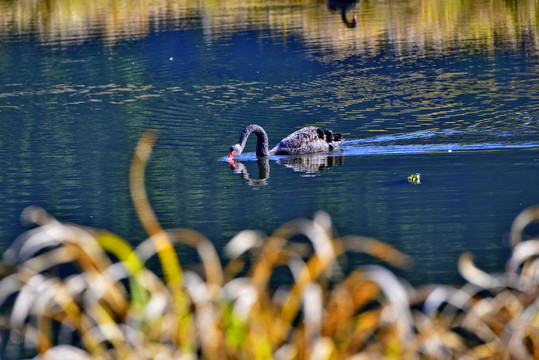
261,139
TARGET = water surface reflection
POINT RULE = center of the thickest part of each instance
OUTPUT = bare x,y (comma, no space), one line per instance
416,26
309,164
344,6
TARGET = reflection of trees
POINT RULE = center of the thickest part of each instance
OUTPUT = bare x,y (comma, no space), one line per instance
423,23
307,163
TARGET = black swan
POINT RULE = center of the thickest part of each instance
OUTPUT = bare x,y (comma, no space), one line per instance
304,141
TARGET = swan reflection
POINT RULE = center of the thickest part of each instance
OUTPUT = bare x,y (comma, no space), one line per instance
311,163
344,6
307,163
263,171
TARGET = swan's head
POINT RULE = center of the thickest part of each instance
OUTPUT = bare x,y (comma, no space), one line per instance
235,150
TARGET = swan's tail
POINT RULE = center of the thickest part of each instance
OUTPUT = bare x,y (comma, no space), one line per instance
330,136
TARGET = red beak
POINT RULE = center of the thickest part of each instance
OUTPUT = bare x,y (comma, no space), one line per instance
231,159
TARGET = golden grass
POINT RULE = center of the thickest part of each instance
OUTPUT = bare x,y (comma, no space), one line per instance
110,305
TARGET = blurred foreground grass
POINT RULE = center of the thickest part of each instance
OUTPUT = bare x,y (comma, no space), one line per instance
79,293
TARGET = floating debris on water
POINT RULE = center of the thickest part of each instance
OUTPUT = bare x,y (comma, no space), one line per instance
414,178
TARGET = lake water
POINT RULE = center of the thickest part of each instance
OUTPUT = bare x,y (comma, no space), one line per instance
446,89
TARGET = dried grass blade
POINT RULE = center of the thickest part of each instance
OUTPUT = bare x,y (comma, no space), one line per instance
474,275
206,252
313,311
526,217
522,252
65,352
397,294
352,294
377,249
245,241
131,262
165,250
319,262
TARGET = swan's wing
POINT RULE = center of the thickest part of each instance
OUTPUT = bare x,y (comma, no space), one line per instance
303,141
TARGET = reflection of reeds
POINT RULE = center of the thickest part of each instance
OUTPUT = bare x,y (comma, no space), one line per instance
413,26
74,292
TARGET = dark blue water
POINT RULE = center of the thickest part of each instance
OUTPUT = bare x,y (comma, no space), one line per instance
463,114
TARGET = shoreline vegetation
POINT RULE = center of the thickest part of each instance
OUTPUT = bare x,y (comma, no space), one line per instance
80,293
425,24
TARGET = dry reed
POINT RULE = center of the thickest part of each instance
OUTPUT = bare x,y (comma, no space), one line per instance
79,293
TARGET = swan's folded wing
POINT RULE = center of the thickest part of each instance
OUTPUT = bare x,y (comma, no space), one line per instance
307,140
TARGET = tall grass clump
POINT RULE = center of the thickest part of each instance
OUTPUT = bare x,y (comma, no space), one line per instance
70,292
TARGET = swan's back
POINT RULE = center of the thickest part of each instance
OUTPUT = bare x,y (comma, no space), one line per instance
308,140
